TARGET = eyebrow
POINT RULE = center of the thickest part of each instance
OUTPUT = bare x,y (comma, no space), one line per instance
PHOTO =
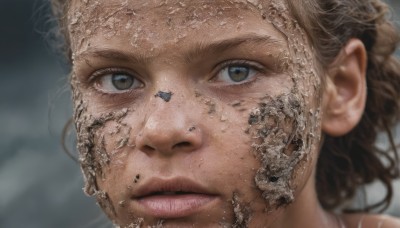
113,54
200,49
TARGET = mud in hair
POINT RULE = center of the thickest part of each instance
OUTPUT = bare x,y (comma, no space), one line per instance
348,162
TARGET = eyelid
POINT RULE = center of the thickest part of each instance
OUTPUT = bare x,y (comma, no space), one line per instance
248,63
240,62
259,68
112,70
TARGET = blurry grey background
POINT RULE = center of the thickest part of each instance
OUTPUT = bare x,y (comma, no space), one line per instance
40,186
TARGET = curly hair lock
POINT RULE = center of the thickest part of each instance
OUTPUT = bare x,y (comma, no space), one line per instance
348,162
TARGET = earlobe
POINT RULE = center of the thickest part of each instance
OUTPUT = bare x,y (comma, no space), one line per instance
346,90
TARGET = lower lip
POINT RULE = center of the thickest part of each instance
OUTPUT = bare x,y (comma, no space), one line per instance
174,206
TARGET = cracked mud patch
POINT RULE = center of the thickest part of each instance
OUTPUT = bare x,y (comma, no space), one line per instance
91,144
284,128
277,123
242,212
104,201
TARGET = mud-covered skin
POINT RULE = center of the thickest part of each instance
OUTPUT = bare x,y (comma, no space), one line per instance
108,20
278,125
282,128
286,127
242,212
93,156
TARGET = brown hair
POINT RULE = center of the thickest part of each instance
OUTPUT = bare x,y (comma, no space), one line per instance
348,162
60,12
351,161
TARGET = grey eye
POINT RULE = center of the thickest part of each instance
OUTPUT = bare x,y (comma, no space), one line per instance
118,82
122,81
238,73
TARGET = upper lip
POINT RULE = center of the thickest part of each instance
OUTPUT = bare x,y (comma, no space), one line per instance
173,185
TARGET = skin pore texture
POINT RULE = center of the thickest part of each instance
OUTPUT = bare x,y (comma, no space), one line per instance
252,144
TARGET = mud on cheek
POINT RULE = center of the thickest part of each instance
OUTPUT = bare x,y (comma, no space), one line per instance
278,127
96,134
286,128
242,212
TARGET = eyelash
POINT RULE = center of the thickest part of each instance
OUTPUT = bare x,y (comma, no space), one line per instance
96,76
244,63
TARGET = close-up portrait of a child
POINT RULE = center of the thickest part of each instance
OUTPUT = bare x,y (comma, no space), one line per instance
234,113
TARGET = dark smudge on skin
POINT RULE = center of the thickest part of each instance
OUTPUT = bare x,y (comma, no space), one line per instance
166,96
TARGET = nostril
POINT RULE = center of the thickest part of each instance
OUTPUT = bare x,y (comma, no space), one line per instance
147,149
167,140
182,145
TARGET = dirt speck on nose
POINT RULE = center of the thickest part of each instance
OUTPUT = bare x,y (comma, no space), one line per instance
166,96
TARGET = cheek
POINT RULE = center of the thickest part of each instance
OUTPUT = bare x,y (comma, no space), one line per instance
97,135
283,141
267,164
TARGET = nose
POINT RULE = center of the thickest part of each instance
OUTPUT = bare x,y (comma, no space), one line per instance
169,130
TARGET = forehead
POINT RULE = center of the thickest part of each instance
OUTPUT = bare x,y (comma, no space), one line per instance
156,23
178,12
174,5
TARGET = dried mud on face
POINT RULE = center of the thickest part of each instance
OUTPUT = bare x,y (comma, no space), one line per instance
91,139
283,128
91,143
241,212
277,126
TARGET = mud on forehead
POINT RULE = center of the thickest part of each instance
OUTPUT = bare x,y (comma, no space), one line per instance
155,20
167,7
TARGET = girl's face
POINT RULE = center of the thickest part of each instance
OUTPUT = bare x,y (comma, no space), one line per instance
197,113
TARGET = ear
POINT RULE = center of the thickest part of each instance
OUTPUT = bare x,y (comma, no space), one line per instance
346,90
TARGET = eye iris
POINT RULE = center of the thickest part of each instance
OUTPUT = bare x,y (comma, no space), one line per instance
122,82
238,73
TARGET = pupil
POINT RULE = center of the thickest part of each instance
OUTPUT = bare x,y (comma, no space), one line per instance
122,82
238,74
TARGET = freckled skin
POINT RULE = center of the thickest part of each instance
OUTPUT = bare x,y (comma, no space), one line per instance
257,158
